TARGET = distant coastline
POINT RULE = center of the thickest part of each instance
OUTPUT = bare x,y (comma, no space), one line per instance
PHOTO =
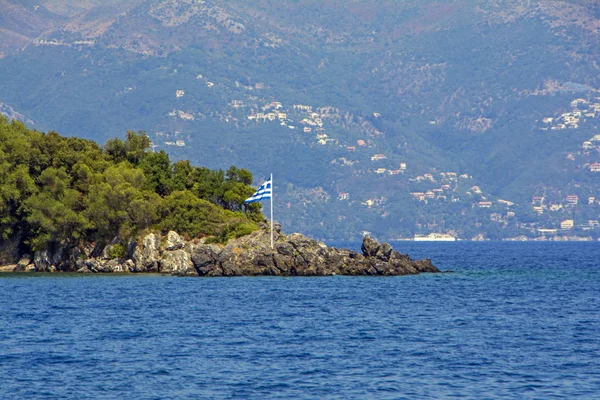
449,238
435,237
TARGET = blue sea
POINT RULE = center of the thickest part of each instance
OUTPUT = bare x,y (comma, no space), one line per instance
514,320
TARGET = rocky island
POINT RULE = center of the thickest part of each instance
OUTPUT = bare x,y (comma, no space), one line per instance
250,255
69,205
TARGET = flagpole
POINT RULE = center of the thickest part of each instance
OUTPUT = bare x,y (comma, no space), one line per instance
272,187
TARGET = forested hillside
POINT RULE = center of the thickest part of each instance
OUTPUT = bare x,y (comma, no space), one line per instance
70,191
394,117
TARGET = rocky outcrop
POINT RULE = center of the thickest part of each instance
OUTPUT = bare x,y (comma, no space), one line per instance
9,249
297,255
59,257
100,265
147,256
25,264
177,262
174,241
251,255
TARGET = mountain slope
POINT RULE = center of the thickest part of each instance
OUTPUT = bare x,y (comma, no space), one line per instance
443,86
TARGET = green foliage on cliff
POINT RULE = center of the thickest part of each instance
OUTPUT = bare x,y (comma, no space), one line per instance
63,190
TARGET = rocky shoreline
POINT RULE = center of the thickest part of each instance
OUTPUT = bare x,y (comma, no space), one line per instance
292,255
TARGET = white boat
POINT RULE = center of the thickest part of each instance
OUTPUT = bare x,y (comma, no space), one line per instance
435,237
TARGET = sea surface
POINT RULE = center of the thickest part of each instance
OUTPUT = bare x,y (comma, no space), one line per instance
514,320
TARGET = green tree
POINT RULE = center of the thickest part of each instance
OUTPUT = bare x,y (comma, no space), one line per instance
158,172
68,190
109,203
115,149
136,146
185,213
239,175
53,214
181,175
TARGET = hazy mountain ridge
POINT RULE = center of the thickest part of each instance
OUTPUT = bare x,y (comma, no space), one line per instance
440,86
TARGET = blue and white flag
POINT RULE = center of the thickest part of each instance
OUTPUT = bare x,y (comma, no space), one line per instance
263,193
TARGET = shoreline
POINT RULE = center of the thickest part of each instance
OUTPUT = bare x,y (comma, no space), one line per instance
250,255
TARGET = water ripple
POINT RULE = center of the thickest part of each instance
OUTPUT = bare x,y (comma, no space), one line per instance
514,321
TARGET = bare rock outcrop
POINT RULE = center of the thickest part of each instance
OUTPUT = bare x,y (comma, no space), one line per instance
147,255
251,255
177,262
297,255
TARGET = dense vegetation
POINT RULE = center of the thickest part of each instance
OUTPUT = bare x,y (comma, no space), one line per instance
67,190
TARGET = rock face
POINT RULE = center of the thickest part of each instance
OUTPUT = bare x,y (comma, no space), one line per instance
147,256
177,262
251,255
9,249
296,254
174,241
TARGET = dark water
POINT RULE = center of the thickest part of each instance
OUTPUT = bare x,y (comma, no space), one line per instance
516,320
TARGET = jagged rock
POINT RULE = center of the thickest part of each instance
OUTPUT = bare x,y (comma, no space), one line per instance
425,266
113,266
23,263
178,262
384,251
174,241
369,246
204,259
50,260
293,254
9,249
84,270
147,256
227,260
131,247
42,260
129,266
284,249
283,263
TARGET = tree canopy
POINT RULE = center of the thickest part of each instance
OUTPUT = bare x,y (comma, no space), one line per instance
68,190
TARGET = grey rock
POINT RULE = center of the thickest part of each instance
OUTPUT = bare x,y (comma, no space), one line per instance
174,241
177,262
23,263
204,259
284,249
112,266
129,266
147,256
384,251
48,260
227,260
369,246
293,254
425,266
131,247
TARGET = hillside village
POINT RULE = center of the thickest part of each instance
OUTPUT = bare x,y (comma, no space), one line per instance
358,148
354,140
581,111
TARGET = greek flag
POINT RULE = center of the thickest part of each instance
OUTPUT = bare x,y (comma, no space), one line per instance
263,193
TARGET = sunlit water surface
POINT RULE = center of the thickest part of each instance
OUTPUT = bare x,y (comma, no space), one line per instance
515,320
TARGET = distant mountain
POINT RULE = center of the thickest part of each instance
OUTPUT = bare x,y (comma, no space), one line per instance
356,107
